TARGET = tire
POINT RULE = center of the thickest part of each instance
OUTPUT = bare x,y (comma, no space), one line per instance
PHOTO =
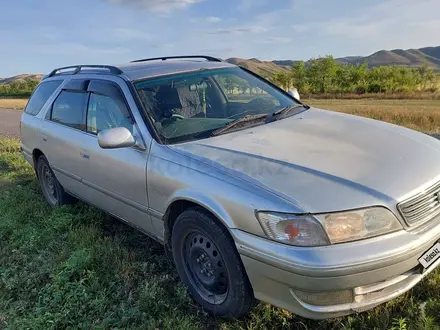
52,190
209,265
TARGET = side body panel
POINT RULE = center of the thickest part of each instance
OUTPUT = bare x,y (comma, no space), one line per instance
114,180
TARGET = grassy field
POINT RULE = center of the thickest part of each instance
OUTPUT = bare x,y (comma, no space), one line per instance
17,104
421,115
74,267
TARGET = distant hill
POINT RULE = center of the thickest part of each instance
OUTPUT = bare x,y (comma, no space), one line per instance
396,57
264,68
21,77
400,57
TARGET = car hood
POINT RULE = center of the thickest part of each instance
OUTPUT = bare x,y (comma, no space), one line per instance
324,161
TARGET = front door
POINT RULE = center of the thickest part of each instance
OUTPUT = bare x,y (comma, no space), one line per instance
115,178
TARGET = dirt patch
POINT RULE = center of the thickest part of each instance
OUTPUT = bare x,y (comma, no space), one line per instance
14,104
10,123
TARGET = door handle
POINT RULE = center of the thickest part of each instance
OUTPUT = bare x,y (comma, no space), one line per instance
84,154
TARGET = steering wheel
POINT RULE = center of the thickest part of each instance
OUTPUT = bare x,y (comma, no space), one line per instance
261,101
177,116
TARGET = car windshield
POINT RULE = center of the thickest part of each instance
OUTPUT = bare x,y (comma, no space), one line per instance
194,105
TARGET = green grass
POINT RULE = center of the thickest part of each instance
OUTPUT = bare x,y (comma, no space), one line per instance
73,267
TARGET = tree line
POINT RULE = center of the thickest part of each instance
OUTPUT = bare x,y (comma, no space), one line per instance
326,75
317,76
18,88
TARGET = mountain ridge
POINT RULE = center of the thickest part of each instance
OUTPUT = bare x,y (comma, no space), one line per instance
20,77
395,57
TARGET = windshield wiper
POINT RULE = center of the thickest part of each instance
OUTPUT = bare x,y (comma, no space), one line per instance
233,124
284,111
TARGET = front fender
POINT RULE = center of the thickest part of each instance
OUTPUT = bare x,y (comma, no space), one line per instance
205,202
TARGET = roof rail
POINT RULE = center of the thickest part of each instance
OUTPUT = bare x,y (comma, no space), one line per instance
208,58
78,68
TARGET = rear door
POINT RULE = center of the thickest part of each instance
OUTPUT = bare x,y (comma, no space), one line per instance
63,132
115,178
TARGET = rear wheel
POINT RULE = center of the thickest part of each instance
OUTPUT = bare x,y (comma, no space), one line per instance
209,264
52,190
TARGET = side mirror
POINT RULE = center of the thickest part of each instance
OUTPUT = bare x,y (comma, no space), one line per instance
114,138
294,93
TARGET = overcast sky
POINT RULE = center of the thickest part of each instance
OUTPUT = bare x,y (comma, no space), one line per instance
36,36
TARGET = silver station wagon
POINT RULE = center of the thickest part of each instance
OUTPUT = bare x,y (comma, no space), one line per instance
254,194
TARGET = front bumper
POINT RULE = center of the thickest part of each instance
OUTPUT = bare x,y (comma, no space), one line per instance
279,273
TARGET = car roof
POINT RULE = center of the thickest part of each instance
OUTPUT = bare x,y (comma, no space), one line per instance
150,69
144,69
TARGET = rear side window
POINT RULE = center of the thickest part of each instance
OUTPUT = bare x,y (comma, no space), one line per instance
70,108
40,96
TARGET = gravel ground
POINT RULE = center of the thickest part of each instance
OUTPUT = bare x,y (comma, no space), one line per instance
10,123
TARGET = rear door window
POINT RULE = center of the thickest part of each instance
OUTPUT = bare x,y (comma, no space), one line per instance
40,96
70,108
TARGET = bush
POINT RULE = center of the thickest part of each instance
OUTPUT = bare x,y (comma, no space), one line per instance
360,90
18,88
326,75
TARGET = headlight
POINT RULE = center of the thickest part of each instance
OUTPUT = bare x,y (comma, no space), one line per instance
325,229
299,230
359,224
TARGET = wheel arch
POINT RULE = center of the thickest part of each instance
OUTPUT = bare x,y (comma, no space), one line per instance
183,202
36,153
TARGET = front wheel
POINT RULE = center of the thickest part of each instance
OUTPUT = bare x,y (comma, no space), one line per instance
210,266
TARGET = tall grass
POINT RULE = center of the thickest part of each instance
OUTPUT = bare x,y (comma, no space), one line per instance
421,115
414,95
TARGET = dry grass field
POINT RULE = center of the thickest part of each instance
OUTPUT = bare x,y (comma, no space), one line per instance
421,115
17,104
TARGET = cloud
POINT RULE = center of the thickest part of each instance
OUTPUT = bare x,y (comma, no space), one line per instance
249,4
340,29
159,6
275,40
225,51
163,46
410,25
300,28
350,29
211,19
79,48
123,34
214,19
240,30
